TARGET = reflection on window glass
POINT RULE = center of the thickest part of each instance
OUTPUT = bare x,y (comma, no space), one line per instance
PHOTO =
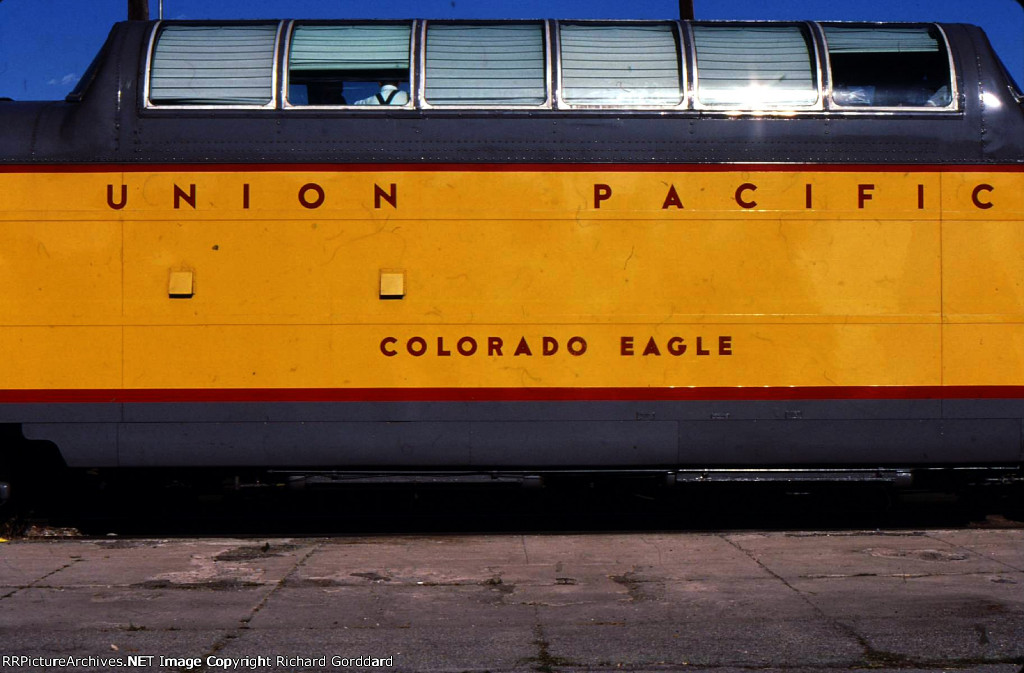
624,65
485,64
349,65
213,65
754,67
888,67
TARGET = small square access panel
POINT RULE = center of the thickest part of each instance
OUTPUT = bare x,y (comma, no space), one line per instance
392,284
181,285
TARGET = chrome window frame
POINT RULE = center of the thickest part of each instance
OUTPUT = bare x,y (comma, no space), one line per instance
274,77
558,84
362,109
553,76
548,103
780,111
832,106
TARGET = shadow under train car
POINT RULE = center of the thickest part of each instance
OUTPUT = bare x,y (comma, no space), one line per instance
200,502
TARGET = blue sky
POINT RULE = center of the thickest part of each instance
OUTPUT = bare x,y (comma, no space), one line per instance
45,45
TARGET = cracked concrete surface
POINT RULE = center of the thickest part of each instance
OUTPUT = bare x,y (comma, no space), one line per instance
907,601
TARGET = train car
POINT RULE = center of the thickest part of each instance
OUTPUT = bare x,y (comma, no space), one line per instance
695,251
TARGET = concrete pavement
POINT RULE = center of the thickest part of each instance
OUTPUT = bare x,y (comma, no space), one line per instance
894,600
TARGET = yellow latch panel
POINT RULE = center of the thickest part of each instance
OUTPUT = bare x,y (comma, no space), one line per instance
392,284
181,284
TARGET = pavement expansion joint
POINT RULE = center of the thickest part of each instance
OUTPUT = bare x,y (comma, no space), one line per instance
545,662
36,583
837,624
967,551
245,621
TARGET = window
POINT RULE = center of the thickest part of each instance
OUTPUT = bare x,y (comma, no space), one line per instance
349,65
214,65
494,65
755,67
888,66
620,65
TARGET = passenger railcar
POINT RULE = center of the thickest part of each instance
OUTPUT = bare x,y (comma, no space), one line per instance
697,250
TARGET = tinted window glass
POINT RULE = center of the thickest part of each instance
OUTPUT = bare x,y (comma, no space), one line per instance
888,67
349,65
497,65
754,67
625,65
213,65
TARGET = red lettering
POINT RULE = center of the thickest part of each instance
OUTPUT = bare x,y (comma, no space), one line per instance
549,346
388,341
626,346
416,346
920,197
180,195
245,195
523,348
700,347
577,346
110,197
978,203
440,348
745,187
466,346
391,197
808,197
725,345
601,193
318,198
494,345
864,194
672,199
676,346
651,348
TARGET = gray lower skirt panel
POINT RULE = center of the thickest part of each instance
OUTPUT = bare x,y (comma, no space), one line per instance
458,435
